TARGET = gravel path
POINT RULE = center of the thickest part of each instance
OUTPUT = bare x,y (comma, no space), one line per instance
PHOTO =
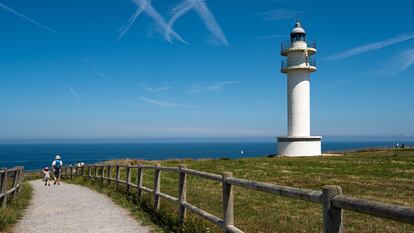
72,208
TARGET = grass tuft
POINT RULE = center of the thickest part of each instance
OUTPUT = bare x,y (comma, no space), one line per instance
15,208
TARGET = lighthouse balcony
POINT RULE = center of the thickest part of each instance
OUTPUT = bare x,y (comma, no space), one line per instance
309,65
289,46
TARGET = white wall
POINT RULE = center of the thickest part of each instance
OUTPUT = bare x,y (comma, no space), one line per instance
299,148
298,93
298,103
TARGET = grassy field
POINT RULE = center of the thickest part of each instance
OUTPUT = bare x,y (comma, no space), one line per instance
386,176
14,211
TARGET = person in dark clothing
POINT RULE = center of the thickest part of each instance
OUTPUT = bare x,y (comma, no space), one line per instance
57,165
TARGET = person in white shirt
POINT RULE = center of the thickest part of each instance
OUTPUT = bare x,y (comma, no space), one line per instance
46,176
57,165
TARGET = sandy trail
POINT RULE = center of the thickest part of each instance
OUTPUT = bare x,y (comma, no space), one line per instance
72,208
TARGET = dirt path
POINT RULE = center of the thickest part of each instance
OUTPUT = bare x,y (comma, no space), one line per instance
72,208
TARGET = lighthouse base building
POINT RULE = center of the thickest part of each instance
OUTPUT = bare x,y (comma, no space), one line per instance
299,146
298,65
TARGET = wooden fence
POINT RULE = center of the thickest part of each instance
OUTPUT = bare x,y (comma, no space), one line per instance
12,178
331,198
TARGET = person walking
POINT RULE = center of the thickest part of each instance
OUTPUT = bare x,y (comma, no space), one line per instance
46,176
57,169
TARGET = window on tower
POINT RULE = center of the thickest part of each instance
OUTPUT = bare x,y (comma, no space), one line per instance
298,37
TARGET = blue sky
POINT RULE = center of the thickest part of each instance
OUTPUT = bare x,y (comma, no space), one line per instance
200,69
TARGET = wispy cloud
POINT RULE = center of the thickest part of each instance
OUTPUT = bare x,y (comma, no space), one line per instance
202,87
280,14
94,68
370,47
124,29
98,72
11,10
154,89
145,6
75,94
201,8
399,63
164,104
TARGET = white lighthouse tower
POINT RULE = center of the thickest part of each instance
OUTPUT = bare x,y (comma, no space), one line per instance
298,66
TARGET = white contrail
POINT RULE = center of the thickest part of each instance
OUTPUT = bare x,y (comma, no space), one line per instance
131,21
155,90
75,94
200,7
25,17
401,62
150,10
209,20
201,87
164,104
178,11
370,47
146,7
220,85
98,72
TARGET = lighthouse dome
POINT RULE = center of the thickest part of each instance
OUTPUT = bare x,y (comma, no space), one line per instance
298,33
298,29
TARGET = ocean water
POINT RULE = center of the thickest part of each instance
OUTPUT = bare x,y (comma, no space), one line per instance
36,156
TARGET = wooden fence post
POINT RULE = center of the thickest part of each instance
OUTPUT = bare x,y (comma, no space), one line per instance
332,216
15,181
157,188
76,170
182,192
228,204
109,174
71,172
128,177
21,177
95,174
140,179
92,170
102,173
83,170
4,189
89,172
117,175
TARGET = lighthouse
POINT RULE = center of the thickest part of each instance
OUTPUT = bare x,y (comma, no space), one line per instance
298,65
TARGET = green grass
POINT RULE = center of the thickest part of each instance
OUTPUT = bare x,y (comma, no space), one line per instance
386,176
33,175
15,208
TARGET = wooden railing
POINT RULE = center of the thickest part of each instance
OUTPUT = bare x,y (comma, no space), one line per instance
12,178
331,198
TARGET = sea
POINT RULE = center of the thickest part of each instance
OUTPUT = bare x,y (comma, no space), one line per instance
35,156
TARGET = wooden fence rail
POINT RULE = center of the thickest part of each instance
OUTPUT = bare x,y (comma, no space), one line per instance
331,198
15,183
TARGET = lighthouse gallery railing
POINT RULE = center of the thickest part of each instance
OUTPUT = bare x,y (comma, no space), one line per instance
287,44
311,62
